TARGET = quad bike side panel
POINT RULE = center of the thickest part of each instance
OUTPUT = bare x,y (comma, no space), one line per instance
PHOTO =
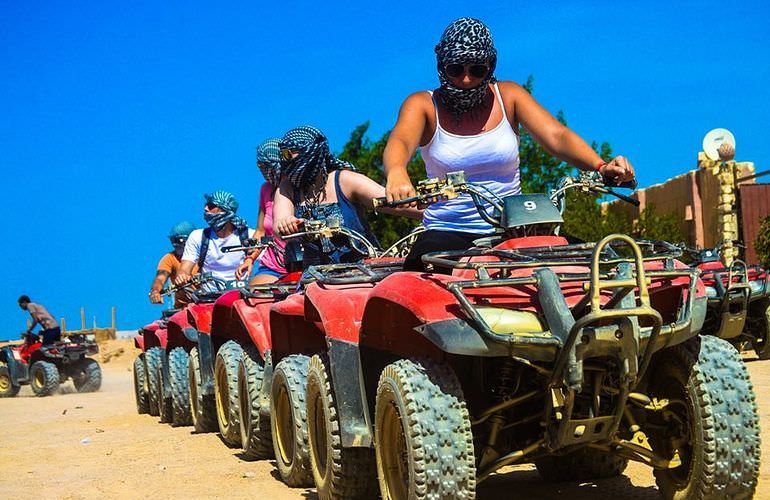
290,332
254,317
180,332
199,316
223,315
339,308
139,341
150,336
17,368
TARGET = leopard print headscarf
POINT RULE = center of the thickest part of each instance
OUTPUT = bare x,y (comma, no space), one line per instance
314,160
465,41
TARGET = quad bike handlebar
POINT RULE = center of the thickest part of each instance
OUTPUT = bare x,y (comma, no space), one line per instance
330,227
251,244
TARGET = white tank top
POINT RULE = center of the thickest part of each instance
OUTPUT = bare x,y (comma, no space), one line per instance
490,159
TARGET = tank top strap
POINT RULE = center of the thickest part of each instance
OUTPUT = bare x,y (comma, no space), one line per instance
435,106
500,100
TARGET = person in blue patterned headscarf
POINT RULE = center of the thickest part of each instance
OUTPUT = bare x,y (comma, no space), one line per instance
319,186
228,206
269,161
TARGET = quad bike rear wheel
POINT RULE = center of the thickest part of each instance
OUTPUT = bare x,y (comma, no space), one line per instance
140,386
711,421
338,472
202,408
422,433
256,439
87,375
153,358
580,465
164,394
226,390
44,378
759,324
288,420
178,366
7,389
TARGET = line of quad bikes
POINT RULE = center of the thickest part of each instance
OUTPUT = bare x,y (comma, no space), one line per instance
365,380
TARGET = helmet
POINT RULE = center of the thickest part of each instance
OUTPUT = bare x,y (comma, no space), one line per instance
179,233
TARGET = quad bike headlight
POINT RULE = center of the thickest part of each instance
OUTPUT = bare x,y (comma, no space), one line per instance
711,292
507,321
757,286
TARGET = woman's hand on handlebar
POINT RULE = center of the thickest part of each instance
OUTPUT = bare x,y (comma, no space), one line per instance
288,225
244,270
399,186
618,171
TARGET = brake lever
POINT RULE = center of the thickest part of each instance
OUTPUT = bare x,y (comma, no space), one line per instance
623,197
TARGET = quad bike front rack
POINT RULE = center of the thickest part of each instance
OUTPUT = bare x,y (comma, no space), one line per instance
733,300
626,328
353,273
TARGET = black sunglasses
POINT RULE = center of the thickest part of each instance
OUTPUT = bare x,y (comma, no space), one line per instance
178,240
475,70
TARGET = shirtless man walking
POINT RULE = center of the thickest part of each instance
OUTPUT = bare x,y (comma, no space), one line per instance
50,332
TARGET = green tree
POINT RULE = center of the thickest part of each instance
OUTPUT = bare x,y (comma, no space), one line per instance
762,243
656,226
366,155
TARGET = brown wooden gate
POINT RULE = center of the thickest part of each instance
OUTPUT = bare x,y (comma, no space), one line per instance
755,205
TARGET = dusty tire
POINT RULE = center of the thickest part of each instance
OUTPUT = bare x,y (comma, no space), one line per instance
89,376
44,378
140,386
337,472
759,322
714,413
288,420
226,390
164,395
202,408
178,365
7,389
256,438
423,439
580,465
153,358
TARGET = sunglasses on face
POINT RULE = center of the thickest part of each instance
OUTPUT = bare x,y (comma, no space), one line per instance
178,240
287,154
474,70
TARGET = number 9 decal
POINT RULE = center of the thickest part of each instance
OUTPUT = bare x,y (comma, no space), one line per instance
530,205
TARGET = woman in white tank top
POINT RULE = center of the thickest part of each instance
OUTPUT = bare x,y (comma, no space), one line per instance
470,123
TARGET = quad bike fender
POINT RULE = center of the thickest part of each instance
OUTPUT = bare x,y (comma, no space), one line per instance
291,332
223,314
139,341
149,336
350,390
339,308
180,332
254,317
199,316
162,336
206,357
18,370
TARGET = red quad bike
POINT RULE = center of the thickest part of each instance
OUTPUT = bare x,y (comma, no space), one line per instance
738,299
44,367
161,383
577,357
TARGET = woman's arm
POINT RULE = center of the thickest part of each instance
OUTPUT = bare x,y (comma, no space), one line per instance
402,144
260,232
559,140
361,190
284,222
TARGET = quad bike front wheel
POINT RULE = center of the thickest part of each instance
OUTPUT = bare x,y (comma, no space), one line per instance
288,420
338,472
140,386
44,378
178,366
164,393
202,409
226,390
7,388
256,438
153,358
710,421
422,433
87,375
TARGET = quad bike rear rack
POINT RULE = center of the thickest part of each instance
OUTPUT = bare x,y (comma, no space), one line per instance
353,273
733,299
626,328
275,290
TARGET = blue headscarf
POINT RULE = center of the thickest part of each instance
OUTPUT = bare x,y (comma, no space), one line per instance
269,161
179,233
314,160
227,202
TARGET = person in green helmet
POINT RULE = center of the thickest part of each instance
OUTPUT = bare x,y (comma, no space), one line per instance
169,264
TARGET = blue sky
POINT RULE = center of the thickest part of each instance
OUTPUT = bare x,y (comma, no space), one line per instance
115,117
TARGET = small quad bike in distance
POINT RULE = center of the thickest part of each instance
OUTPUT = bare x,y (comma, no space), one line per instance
738,299
577,357
44,367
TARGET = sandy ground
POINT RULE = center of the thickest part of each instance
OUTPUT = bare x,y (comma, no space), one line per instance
96,446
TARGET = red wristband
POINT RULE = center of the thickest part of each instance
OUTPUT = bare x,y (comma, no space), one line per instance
599,166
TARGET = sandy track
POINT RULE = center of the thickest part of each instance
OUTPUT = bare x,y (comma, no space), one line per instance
96,446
